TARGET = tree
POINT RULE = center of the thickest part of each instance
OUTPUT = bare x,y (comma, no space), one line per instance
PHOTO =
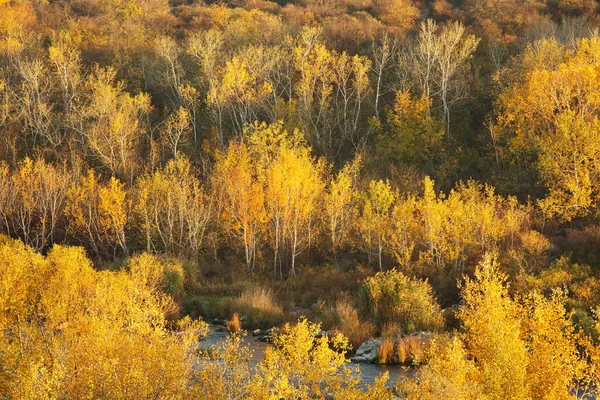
374,224
62,310
412,135
400,15
113,210
39,191
242,93
67,66
176,129
493,333
383,53
450,374
36,103
438,63
294,190
549,119
554,366
114,122
299,366
340,207
244,204
172,209
167,50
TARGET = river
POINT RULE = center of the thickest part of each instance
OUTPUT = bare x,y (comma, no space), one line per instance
368,372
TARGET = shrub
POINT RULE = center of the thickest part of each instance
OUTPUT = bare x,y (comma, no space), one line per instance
325,283
159,273
205,306
392,297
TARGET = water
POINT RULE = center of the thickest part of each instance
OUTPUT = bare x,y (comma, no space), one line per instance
368,372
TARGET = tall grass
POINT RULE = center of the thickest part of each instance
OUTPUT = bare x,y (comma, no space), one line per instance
258,304
234,324
343,317
412,350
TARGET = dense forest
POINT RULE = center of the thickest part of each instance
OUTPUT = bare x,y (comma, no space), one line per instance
345,171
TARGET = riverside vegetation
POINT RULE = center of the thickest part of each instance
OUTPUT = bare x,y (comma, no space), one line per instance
417,177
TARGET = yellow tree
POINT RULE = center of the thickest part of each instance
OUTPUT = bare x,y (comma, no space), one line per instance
554,365
236,174
301,366
549,118
62,311
113,210
493,333
314,88
176,129
400,15
352,86
39,191
67,67
438,61
411,134
449,375
242,92
294,191
172,208
340,208
405,231
375,220
115,123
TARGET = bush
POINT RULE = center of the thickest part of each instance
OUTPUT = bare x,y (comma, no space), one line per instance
392,297
206,306
159,273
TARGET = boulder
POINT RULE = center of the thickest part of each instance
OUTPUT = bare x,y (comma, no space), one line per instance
367,352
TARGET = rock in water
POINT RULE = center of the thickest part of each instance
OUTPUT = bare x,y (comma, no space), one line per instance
368,352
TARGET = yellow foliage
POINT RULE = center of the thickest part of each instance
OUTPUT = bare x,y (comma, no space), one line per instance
549,113
172,208
448,375
493,333
375,222
339,203
294,189
70,331
301,366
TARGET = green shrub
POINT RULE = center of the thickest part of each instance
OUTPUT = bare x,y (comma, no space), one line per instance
392,297
207,307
